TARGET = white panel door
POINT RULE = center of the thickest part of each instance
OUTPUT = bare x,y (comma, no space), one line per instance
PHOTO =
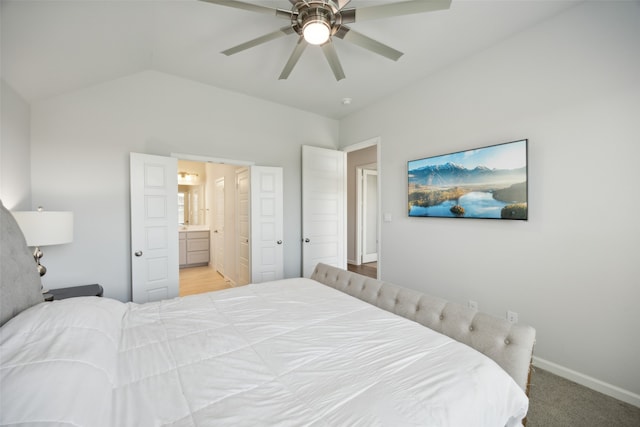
267,211
243,232
324,193
369,215
154,227
218,226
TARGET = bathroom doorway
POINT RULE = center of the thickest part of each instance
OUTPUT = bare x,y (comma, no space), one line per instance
238,229
189,217
208,224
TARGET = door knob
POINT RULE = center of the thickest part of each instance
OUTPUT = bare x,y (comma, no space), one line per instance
138,253
307,240
279,242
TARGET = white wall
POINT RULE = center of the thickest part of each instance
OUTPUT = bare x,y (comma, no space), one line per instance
572,86
15,170
80,146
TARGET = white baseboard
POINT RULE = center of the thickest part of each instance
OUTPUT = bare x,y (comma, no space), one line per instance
350,261
587,381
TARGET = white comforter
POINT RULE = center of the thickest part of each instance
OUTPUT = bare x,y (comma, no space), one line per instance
285,353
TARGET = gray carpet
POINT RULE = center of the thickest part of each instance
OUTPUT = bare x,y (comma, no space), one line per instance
557,402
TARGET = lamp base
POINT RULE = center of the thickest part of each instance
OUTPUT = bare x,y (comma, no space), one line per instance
42,270
37,254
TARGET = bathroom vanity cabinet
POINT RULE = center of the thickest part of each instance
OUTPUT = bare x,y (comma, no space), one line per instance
193,248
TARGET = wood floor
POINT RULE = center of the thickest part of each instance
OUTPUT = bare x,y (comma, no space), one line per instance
369,269
196,280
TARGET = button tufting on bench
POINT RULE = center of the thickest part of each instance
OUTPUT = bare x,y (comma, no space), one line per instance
441,316
471,328
507,341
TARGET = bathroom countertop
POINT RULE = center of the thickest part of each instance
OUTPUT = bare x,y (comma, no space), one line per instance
185,228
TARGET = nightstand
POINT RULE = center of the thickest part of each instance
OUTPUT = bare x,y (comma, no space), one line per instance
94,290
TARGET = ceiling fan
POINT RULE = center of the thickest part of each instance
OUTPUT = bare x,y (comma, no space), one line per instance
317,21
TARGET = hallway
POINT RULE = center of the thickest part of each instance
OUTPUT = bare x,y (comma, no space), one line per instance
369,269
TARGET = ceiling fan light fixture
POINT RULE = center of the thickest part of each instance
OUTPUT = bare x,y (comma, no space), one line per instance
316,31
315,22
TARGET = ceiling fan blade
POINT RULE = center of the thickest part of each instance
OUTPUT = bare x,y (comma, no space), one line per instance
400,8
332,58
293,59
347,16
259,40
347,34
243,6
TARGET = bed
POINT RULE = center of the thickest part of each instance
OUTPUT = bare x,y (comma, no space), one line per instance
336,349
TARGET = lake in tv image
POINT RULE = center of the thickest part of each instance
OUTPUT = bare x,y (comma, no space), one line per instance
488,182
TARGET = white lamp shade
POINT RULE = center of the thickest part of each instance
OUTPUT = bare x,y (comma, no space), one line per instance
45,228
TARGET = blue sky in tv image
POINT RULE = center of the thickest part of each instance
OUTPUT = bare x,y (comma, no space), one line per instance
512,155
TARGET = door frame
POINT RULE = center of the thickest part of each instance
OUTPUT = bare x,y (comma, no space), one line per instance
219,238
250,166
376,141
220,160
361,214
207,159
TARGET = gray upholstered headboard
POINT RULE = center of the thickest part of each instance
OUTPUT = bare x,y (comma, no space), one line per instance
510,345
20,285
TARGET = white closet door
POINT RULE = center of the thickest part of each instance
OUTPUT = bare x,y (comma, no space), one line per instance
324,195
267,212
243,232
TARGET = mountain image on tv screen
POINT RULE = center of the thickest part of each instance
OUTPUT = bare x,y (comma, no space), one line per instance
488,182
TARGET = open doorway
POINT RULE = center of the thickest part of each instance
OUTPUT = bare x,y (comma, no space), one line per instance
363,242
158,247
208,226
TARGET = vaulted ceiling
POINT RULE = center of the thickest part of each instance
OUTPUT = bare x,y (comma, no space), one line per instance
50,47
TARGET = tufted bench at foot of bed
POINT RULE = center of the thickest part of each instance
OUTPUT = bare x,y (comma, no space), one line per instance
509,345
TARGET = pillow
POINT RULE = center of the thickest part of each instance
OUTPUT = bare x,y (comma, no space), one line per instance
59,363
20,286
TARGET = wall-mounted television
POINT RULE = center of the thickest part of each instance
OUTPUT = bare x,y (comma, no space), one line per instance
488,182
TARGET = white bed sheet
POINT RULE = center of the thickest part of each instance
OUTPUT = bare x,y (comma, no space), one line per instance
286,353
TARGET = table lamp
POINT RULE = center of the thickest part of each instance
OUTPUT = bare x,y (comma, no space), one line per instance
44,228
